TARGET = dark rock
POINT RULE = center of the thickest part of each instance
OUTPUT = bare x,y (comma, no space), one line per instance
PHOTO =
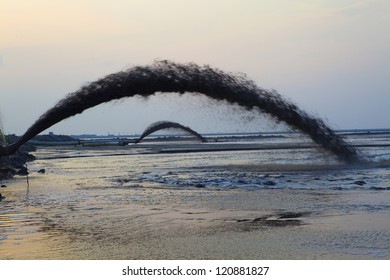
360,182
3,186
10,164
243,220
23,171
8,169
1,197
269,183
200,186
7,172
380,188
42,171
4,176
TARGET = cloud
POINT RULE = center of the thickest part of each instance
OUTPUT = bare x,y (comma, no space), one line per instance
1,61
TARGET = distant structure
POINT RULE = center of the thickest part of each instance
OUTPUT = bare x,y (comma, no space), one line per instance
165,125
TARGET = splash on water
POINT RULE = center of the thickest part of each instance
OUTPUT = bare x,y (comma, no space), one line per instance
168,77
165,125
2,136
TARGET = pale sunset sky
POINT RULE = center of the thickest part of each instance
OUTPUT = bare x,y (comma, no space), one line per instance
330,57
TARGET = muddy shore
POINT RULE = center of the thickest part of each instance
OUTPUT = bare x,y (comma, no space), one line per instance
137,202
15,164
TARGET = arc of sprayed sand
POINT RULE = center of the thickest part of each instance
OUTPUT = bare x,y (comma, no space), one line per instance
167,124
166,76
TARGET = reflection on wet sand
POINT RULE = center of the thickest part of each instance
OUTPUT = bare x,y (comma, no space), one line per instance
141,203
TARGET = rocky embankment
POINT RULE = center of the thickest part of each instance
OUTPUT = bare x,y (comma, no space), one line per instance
15,164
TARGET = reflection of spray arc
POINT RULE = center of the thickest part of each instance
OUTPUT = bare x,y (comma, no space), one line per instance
166,124
165,76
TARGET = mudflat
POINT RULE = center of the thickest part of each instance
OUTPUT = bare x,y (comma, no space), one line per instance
206,205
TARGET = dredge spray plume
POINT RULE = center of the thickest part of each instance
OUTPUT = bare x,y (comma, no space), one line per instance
165,76
167,124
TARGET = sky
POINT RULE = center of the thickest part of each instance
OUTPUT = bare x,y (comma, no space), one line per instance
330,57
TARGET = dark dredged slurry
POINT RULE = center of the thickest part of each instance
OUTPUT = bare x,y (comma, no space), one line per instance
166,76
167,124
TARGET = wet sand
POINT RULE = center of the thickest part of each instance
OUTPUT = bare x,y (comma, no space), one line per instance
73,213
212,224
271,225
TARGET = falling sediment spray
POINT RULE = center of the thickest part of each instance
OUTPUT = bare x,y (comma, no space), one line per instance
3,140
167,124
167,77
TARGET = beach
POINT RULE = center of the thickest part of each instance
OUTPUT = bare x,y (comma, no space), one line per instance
138,202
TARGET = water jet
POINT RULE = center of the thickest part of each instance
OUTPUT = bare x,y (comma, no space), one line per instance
167,77
165,125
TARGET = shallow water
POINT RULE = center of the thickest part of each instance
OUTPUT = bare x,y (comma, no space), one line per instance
160,201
